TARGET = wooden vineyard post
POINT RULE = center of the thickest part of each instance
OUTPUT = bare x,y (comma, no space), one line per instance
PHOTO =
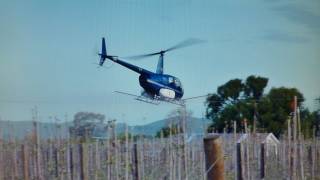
56,161
313,153
83,162
214,157
97,158
184,145
115,150
239,162
247,149
142,172
108,144
170,152
300,145
15,163
234,143
39,157
294,168
37,143
262,161
25,162
1,157
135,162
71,162
126,153
289,148
179,155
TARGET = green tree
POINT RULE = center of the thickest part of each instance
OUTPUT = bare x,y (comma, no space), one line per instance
231,90
235,101
255,86
84,124
275,108
309,122
214,104
232,102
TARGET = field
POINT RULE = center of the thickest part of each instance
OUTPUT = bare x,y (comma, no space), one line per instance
175,157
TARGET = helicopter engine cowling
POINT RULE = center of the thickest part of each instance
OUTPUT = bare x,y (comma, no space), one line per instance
167,93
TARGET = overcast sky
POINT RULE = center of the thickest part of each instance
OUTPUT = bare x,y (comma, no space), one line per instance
47,52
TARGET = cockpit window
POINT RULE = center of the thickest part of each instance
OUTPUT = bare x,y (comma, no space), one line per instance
170,80
177,82
174,81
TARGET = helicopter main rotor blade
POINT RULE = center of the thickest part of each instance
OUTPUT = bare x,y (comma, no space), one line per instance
185,43
141,56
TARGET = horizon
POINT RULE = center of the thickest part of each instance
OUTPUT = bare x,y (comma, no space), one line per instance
63,121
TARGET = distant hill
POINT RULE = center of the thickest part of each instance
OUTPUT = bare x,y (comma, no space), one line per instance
20,129
194,125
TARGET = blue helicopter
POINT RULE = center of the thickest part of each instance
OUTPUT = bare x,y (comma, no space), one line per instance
157,86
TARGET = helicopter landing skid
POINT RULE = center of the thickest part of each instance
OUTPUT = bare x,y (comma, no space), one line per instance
154,100
173,101
147,100
141,98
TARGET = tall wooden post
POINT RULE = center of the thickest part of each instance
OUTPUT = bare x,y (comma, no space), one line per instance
14,159
56,161
300,145
313,153
234,143
115,149
69,153
136,165
239,162
83,162
179,155
214,157
25,160
184,145
35,120
289,148
294,168
97,158
108,144
71,162
262,161
1,156
142,172
170,151
126,153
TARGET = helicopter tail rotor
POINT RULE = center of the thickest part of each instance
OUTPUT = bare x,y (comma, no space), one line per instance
103,55
103,48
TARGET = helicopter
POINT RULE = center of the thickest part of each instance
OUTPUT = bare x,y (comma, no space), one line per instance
157,86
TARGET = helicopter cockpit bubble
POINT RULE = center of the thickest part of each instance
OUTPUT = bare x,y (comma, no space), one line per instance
171,80
177,82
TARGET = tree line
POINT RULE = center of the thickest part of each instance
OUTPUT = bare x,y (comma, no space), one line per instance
245,100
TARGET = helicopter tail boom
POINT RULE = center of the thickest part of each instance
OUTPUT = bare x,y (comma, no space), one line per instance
103,56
